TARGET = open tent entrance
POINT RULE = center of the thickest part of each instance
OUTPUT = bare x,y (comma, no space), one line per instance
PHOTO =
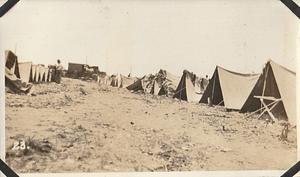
186,87
213,91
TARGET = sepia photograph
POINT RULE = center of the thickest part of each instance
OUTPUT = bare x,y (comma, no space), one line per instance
102,86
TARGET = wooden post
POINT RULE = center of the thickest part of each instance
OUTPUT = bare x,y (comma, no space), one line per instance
265,83
213,90
209,101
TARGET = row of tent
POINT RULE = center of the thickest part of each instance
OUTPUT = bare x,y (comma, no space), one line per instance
234,91
161,83
19,74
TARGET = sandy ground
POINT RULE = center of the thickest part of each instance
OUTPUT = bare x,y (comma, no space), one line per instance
90,128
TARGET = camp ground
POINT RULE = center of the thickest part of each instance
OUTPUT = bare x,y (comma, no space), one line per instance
103,122
262,94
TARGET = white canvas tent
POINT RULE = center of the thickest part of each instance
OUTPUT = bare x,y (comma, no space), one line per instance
277,82
186,87
25,71
229,89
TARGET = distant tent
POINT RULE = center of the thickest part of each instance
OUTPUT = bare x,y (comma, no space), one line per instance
115,80
278,82
162,83
42,73
103,78
165,83
144,84
37,74
25,71
32,73
186,87
136,86
126,81
13,83
156,88
46,74
229,89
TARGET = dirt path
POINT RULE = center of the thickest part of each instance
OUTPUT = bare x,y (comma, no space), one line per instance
91,128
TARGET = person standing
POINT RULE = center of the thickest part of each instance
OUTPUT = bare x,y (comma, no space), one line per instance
58,71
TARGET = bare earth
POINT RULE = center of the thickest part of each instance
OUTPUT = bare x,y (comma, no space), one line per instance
92,128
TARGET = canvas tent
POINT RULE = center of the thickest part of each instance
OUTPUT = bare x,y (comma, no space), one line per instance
46,74
32,73
13,83
278,82
103,79
122,81
186,87
126,81
37,73
229,89
164,83
143,84
25,71
115,80
42,73
156,90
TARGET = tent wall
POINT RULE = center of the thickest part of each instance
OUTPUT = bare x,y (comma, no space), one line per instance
286,81
42,74
126,81
186,88
213,90
25,71
37,74
46,74
235,87
136,86
156,88
14,84
33,73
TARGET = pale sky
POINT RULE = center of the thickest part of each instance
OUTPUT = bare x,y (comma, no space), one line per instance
146,35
